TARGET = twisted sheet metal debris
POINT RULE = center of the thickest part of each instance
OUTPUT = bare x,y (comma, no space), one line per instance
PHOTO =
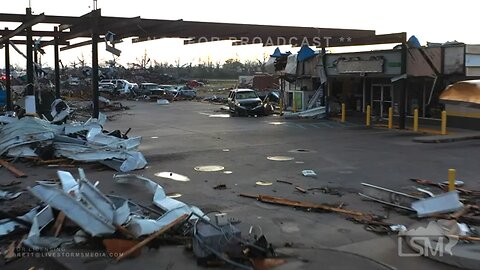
388,197
7,226
315,113
95,213
7,195
443,203
173,208
22,137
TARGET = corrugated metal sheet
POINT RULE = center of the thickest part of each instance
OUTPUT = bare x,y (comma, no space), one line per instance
418,65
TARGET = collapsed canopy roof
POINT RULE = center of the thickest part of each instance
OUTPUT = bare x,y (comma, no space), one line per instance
463,91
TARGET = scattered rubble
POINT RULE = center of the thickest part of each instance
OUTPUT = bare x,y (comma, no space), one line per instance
42,140
125,227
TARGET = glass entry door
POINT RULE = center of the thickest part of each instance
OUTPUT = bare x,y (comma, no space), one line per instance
382,97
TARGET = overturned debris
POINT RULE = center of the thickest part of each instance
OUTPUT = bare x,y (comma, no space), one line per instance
443,203
315,113
388,196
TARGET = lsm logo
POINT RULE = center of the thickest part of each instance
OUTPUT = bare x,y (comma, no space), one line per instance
430,241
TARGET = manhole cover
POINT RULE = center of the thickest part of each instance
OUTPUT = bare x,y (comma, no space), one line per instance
280,158
173,176
209,168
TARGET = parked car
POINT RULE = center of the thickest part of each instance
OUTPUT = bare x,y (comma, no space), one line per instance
185,92
124,86
160,93
245,102
170,88
147,88
107,88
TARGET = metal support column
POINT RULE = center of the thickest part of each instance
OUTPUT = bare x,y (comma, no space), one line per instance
57,64
30,88
95,38
403,91
7,76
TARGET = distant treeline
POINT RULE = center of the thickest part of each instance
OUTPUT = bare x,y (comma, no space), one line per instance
230,69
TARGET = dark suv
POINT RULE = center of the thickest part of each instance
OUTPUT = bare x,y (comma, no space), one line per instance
244,102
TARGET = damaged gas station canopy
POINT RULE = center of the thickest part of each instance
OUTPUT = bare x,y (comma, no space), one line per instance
88,142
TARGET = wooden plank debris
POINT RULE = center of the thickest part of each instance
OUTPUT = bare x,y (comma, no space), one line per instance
12,169
307,205
152,237
300,189
57,226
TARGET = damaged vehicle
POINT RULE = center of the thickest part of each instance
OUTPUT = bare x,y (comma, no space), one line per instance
244,102
147,89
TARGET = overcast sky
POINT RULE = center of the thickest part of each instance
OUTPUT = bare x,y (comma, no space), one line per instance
433,21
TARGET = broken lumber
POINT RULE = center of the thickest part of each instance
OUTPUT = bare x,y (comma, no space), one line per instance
57,226
444,187
124,231
52,161
152,237
464,237
300,189
285,182
461,212
12,169
307,205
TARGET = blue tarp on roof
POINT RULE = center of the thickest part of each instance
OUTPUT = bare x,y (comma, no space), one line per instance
277,53
413,42
305,53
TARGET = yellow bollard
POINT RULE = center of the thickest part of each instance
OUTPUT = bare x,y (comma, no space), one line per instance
444,123
390,118
451,179
343,113
368,116
415,120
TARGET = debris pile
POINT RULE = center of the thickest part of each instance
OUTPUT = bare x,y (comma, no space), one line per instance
448,220
125,226
38,139
451,226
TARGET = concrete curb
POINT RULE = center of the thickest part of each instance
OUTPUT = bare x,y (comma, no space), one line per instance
447,138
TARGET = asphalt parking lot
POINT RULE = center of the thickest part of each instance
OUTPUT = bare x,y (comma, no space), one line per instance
182,135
